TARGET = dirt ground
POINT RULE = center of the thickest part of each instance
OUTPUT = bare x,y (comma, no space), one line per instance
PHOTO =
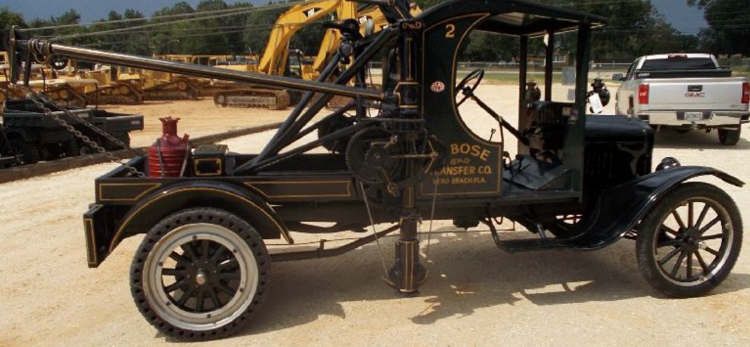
476,294
197,118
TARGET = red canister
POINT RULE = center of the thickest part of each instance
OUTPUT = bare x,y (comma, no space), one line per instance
167,155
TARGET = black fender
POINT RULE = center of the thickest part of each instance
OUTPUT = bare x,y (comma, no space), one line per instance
618,209
170,199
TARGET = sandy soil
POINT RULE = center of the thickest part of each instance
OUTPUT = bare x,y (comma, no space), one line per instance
197,118
476,294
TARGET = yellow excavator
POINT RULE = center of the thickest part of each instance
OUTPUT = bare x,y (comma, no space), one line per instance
278,59
66,83
96,86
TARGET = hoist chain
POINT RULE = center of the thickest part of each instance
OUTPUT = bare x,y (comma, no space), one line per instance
42,102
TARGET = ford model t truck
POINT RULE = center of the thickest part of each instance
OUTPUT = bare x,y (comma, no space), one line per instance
684,92
573,181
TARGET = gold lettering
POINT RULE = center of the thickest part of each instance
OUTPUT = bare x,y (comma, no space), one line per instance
454,148
485,155
475,150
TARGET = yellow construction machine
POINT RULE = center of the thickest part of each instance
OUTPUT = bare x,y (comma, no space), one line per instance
278,59
98,85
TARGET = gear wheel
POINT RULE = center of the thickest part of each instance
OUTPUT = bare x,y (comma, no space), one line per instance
370,157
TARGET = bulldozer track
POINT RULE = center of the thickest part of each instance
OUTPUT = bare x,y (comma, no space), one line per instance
44,168
271,99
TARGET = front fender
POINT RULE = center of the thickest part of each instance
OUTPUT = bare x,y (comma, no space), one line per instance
242,202
618,209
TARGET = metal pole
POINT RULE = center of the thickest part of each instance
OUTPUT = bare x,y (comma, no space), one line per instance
548,65
45,48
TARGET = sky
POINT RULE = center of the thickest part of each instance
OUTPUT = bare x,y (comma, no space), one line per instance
684,18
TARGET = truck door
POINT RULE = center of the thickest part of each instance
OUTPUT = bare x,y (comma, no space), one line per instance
473,166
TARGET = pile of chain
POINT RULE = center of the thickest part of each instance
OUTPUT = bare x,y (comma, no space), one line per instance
42,101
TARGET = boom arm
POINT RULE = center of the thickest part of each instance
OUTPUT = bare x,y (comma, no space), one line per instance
273,60
378,18
40,48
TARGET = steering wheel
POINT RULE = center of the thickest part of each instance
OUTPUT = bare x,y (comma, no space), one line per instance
477,75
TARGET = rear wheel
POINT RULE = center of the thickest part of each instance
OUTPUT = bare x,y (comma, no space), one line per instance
689,242
729,137
199,274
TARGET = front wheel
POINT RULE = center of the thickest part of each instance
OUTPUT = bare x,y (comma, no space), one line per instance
688,244
199,274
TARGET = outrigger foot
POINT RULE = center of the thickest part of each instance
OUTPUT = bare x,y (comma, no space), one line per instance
407,274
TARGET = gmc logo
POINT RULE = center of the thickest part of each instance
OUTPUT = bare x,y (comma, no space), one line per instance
695,95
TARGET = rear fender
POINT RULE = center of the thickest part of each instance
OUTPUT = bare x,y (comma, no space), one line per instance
242,202
618,209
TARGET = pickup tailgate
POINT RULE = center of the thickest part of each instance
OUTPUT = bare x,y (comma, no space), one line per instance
699,94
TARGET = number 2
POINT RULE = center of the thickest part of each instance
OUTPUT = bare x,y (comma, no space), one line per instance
451,28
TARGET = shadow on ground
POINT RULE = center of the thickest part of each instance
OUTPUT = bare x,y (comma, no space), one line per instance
467,273
696,139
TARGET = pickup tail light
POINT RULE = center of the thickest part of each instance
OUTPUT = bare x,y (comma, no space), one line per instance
643,94
745,93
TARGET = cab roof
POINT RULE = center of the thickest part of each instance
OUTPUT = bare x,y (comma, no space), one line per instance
518,17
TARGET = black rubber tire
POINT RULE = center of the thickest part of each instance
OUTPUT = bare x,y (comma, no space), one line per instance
29,151
729,137
650,231
168,229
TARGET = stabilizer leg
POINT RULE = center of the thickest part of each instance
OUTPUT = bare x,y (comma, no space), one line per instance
407,274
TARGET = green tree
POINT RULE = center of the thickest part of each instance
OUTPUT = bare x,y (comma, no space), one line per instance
729,26
634,28
9,18
258,29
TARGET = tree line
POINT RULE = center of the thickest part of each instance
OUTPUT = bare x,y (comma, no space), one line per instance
634,28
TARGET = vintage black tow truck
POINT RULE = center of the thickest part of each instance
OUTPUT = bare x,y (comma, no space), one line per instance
574,181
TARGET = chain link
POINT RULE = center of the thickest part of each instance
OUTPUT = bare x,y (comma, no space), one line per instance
40,101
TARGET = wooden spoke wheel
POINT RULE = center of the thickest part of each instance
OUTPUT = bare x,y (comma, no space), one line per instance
689,242
199,274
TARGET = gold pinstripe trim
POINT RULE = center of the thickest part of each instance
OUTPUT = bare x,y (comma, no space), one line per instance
260,183
409,264
88,225
100,190
121,229
409,72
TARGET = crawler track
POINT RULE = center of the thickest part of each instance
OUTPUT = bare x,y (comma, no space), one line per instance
44,168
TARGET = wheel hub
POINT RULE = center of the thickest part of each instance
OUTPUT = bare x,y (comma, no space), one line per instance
201,277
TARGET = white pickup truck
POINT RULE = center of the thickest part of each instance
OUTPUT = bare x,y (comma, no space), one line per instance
684,92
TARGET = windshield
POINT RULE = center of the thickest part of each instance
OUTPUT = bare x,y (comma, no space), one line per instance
678,64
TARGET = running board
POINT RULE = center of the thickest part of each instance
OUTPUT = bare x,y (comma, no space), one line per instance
528,245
